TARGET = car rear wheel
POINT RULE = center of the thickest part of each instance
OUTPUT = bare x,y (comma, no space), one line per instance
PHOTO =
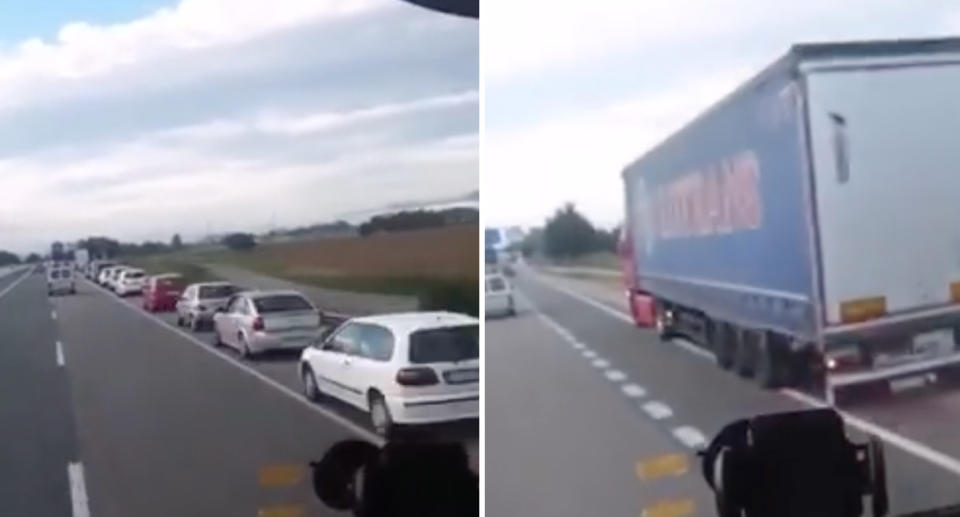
217,342
245,351
194,324
380,416
180,322
310,388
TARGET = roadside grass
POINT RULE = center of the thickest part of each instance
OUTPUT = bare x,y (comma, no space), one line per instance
438,266
173,263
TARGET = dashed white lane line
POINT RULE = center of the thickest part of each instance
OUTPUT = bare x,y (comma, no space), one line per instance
60,359
633,390
53,314
78,490
657,410
690,436
615,375
589,354
601,363
578,345
917,449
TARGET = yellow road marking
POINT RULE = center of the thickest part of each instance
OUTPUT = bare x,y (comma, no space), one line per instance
663,466
677,508
282,511
276,475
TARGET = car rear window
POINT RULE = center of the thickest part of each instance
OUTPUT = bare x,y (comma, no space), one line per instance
281,303
448,344
496,284
169,283
135,274
216,291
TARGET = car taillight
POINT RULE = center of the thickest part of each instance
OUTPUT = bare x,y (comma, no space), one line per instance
258,323
417,377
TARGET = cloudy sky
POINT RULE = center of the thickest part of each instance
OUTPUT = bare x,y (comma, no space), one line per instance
574,94
141,118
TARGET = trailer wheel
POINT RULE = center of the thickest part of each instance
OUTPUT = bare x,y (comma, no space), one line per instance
722,343
745,355
771,364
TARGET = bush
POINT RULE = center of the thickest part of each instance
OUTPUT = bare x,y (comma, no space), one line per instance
451,296
239,241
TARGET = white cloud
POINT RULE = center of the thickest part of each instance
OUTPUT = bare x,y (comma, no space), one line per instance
557,62
82,50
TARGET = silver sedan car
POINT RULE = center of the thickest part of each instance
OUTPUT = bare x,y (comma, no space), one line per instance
257,321
199,302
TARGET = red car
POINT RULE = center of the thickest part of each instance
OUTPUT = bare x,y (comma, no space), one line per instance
161,292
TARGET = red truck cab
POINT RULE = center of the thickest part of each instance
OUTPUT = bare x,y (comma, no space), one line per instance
640,302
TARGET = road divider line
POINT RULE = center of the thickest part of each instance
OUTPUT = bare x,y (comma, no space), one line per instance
633,390
615,375
15,282
280,475
690,436
677,508
908,445
589,354
657,410
78,490
356,429
899,441
601,363
667,465
60,359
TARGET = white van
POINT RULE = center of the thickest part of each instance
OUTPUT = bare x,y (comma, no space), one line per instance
60,280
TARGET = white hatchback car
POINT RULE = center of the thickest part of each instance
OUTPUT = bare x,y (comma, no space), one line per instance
407,368
129,281
256,321
499,297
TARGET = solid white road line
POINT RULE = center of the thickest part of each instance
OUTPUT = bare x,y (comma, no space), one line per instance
14,283
910,446
601,363
615,375
690,436
360,431
633,390
60,359
78,490
899,441
657,410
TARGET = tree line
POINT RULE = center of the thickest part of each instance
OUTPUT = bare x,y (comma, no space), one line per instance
568,234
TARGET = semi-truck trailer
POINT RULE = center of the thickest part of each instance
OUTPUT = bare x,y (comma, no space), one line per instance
807,226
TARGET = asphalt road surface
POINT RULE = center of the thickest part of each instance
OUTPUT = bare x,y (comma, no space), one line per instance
588,415
109,411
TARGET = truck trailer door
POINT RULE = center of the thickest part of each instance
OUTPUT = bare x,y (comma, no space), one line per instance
885,141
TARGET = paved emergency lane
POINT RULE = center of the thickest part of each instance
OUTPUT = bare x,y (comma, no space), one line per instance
280,368
697,394
167,428
37,434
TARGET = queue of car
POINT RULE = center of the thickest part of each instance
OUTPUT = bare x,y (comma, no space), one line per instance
402,369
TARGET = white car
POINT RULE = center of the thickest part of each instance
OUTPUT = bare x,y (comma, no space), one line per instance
129,281
200,301
499,297
108,275
256,321
407,368
60,280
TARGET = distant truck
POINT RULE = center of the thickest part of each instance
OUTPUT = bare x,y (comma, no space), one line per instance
808,225
81,258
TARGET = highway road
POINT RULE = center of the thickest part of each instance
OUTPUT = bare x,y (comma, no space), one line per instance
588,415
110,411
